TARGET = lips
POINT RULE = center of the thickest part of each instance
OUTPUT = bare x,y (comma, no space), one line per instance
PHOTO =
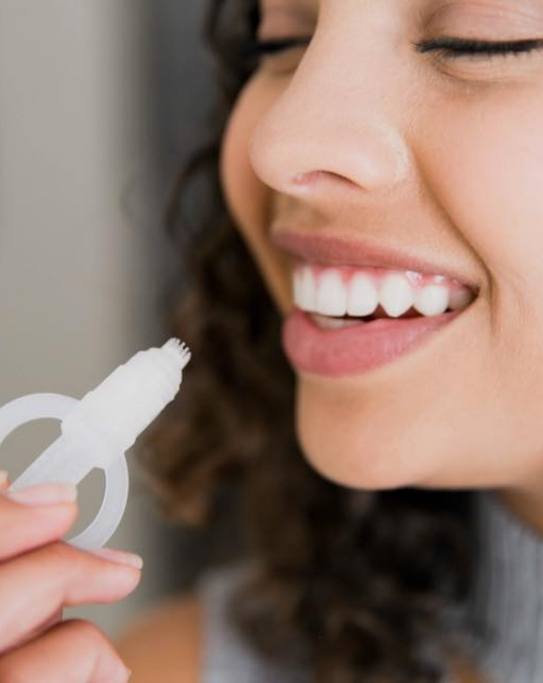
338,250
338,350
357,349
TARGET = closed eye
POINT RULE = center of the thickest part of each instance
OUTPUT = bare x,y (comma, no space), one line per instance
448,47
257,48
455,48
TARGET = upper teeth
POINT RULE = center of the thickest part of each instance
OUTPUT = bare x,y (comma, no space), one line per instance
329,291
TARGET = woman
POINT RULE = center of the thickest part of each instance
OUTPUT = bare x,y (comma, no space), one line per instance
373,160
370,134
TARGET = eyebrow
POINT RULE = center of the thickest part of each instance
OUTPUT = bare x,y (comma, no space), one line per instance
523,7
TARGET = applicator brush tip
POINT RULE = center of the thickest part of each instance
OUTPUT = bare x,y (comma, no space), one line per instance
180,348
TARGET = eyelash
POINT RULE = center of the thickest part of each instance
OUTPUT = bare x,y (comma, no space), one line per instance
449,47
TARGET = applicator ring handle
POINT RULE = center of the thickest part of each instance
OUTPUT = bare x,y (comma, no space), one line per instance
57,406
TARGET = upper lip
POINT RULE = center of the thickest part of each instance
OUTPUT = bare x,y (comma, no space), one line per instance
327,249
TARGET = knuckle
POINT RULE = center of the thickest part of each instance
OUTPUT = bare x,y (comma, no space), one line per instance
57,551
72,560
106,658
83,637
59,564
93,637
18,534
91,634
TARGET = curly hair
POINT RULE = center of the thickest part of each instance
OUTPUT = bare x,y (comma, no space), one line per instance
350,583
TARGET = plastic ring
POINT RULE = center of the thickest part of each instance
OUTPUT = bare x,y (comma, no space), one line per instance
57,406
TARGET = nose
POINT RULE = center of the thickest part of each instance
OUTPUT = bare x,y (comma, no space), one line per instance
333,132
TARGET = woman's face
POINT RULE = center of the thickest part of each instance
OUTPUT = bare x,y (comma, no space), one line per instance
441,157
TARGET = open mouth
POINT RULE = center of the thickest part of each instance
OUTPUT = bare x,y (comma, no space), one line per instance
381,313
345,296
338,346
352,317
338,322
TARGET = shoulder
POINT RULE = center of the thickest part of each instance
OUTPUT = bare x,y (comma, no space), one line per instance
170,636
165,638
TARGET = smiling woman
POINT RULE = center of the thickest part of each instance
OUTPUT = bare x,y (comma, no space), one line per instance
389,488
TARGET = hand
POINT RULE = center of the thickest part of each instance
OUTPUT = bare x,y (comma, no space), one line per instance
39,575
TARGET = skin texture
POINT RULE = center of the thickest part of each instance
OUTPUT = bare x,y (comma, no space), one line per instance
439,157
39,576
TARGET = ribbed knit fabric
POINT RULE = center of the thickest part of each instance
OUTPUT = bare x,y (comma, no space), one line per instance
227,658
506,604
504,613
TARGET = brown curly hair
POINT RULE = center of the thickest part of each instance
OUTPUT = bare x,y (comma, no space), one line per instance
350,583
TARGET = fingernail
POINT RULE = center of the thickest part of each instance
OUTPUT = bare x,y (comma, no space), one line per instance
44,494
120,556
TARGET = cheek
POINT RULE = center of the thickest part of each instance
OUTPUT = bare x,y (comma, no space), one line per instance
246,197
249,201
486,167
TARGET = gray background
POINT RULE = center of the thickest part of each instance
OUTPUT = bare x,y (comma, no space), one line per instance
100,100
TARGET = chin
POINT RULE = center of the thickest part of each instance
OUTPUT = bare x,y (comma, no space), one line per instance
354,442
344,446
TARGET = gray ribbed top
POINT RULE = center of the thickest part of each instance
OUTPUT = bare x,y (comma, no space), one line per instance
507,597
506,601
227,658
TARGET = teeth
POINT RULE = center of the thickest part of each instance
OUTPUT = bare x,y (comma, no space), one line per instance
396,295
432,300
362,298
327,292
459,298
305,288
297,288
334,323
331,294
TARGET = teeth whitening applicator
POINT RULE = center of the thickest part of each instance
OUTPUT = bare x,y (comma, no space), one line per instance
98,429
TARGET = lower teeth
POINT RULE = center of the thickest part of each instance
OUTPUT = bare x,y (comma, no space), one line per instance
329,323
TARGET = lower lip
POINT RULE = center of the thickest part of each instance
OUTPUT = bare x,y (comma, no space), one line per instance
356,349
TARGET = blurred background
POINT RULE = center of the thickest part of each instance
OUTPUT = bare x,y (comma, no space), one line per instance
101,100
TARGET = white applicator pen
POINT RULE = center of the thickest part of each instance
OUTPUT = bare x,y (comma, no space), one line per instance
97,430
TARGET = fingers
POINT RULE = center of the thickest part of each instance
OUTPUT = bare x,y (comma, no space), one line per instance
73,650
51,621
39,575
24,526
40,582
